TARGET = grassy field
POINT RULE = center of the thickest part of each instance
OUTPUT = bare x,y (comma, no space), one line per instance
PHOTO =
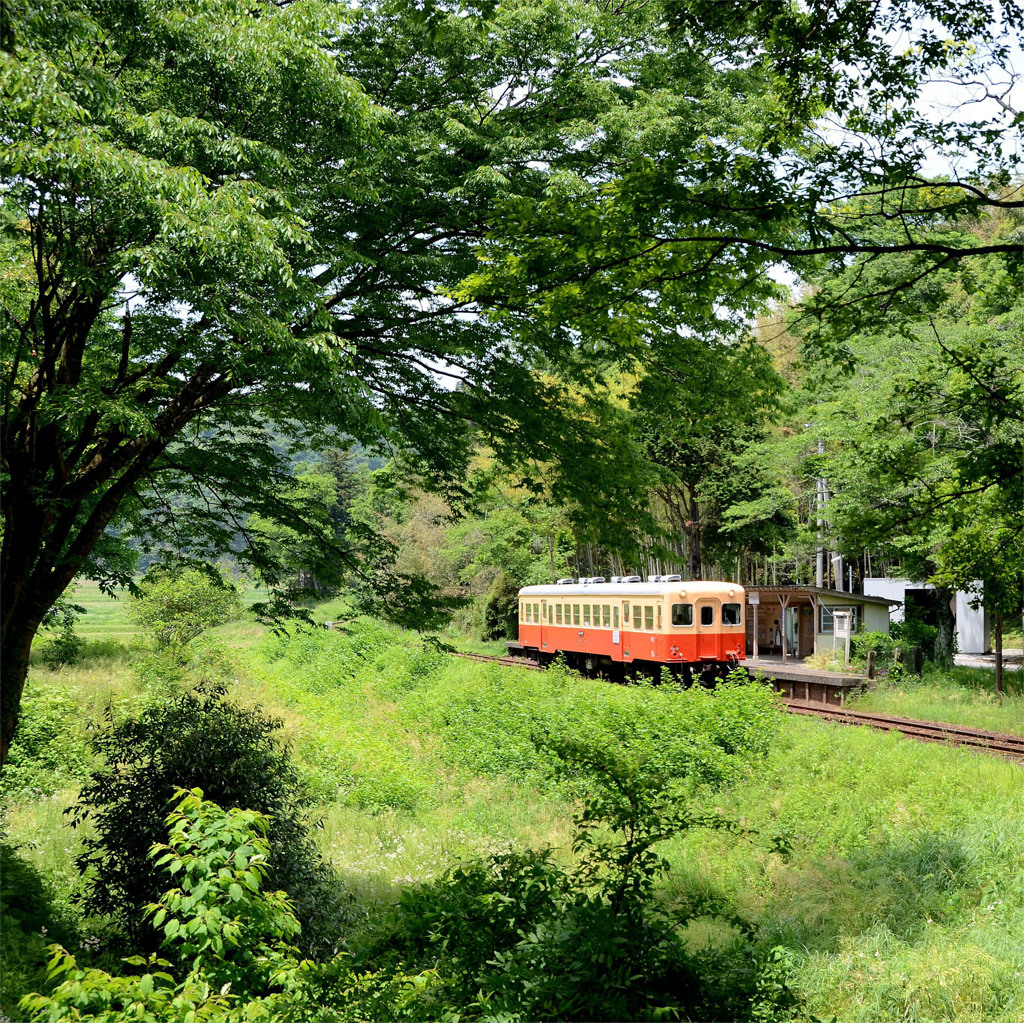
962,696
901,895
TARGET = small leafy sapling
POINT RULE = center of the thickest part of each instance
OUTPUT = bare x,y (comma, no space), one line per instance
175,604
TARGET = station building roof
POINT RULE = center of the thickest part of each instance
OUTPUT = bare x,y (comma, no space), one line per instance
826,596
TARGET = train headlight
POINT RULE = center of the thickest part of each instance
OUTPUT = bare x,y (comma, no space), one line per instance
732,593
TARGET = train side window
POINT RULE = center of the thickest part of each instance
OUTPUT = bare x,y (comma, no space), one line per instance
707,615
649,617
575,614
615,617
529,614
558,614
682,614
586,615
638,615
659,617
536,613
607,615
731,614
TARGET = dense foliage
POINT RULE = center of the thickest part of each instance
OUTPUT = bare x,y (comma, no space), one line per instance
519,937
197,739
419,229
175,605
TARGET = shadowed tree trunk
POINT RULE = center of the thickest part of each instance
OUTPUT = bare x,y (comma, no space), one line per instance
946,622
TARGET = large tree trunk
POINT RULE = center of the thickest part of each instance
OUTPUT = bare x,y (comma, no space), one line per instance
946,622
15,647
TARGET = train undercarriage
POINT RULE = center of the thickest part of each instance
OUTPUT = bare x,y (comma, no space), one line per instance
600,666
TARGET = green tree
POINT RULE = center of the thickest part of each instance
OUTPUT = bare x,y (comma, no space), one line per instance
701,411
198,738
923,419
814,138
177,604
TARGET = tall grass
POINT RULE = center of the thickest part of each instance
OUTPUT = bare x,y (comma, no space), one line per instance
963,696
902,896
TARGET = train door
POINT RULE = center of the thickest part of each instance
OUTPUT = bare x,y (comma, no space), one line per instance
624,649
707,623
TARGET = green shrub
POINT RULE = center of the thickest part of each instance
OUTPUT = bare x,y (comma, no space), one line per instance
229,938
176,604
521,937
501,724
198,739
501,609
63,649
50,749
880,642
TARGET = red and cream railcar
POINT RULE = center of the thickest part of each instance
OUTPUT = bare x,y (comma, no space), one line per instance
693,627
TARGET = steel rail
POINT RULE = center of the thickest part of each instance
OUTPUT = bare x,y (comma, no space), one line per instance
1000,743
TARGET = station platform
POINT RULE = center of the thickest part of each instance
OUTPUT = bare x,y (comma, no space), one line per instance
807,685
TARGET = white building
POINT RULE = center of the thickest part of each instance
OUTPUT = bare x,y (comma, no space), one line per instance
973,630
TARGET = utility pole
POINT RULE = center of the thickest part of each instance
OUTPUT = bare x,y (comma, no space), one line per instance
819,497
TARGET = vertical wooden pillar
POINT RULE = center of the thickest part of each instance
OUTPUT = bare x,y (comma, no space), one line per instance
753,653
784,601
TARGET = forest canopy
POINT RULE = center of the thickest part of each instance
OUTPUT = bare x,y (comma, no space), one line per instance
427,228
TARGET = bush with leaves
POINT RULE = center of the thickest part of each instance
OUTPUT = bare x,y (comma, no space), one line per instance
521,937
231,942
62,646
175,604
50,749
198,739
501,609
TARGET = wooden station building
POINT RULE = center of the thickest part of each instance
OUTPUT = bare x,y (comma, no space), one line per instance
793,622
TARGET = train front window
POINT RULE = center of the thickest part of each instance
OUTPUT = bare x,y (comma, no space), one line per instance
682,614
707,615
649,618
575,614
731,614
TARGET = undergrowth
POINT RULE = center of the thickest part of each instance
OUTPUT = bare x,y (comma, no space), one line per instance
963,696
899,896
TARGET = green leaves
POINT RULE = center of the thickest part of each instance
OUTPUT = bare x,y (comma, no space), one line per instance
176,605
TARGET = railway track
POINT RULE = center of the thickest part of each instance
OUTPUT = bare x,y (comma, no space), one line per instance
924,731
